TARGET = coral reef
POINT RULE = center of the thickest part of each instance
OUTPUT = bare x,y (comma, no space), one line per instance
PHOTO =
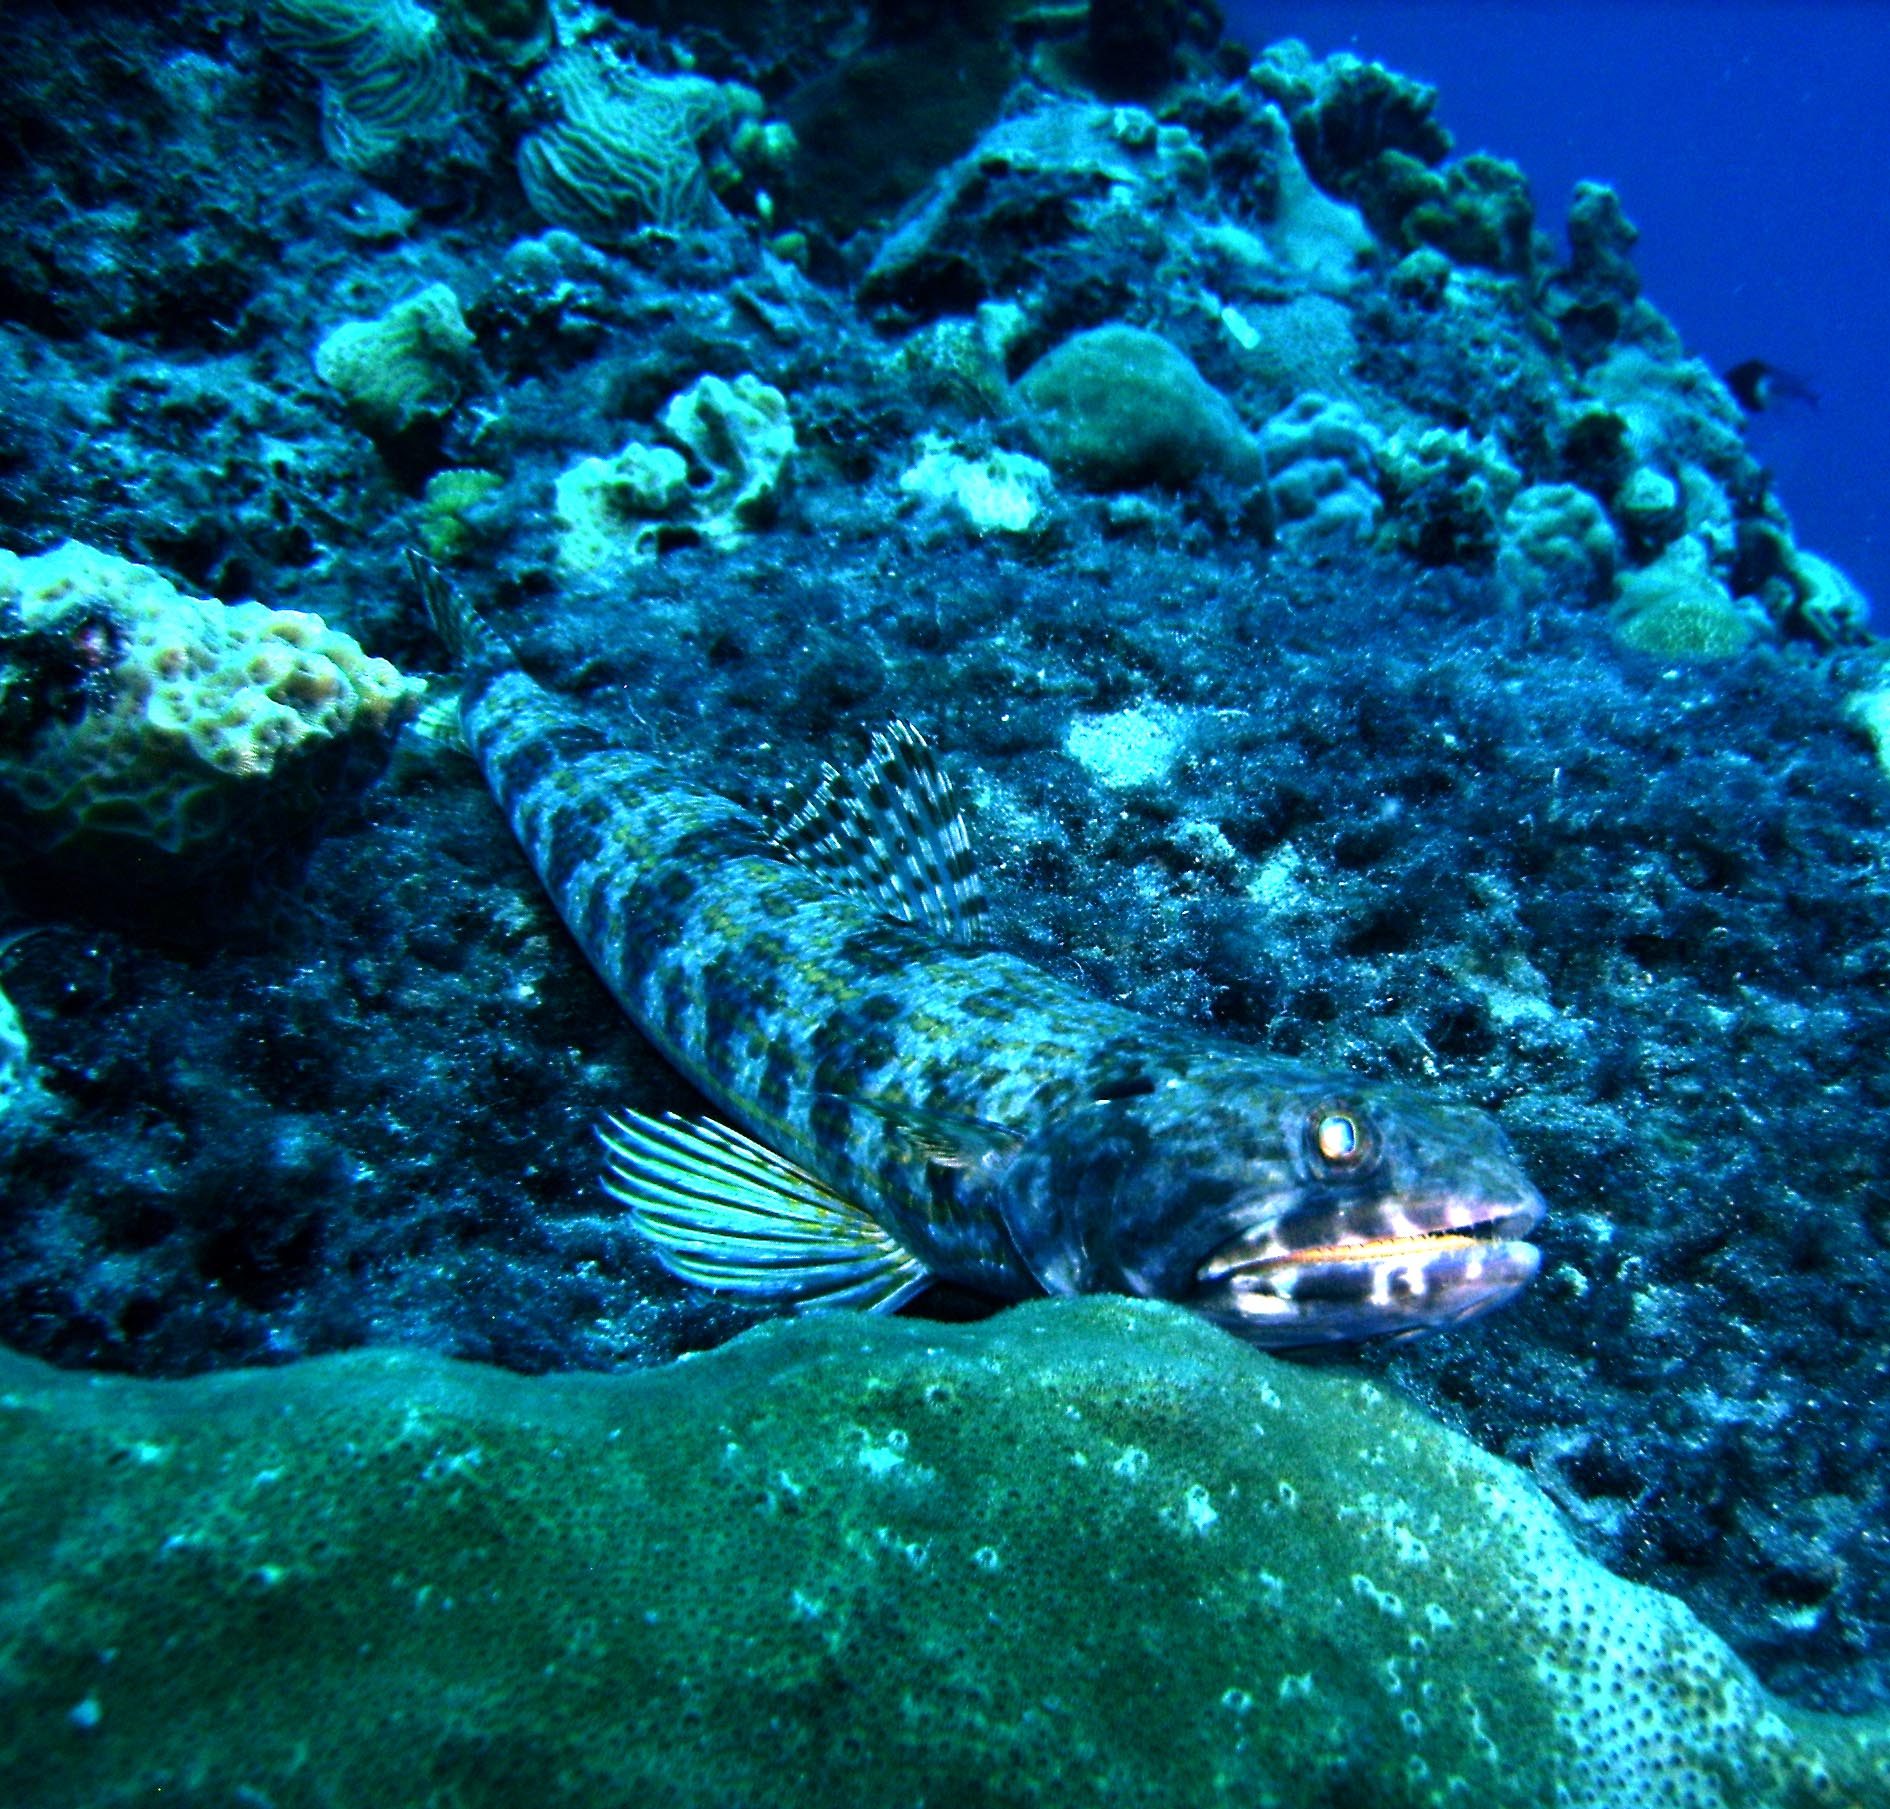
1364,131
1343,756
1001,493
1448,494
830,1559
1557,546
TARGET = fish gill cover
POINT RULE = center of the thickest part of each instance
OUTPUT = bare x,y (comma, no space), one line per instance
1355,623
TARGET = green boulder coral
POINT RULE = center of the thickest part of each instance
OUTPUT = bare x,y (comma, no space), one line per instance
1117,407
1090,1552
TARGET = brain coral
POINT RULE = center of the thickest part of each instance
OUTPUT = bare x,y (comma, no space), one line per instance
144,730
624,149
386,72
1090,1552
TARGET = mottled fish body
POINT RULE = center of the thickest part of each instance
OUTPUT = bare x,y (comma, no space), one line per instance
919,1107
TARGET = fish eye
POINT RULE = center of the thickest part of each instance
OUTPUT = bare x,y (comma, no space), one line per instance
1338,1138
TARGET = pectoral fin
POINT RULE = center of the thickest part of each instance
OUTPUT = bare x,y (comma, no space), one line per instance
722,1211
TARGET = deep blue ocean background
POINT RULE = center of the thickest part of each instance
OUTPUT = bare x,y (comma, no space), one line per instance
1748,143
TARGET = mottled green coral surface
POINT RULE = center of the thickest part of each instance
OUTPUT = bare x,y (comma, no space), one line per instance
1087,1552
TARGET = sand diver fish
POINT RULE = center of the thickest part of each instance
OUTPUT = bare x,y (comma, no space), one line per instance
917,1106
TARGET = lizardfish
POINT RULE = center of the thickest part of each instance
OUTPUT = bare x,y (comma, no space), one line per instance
916,1106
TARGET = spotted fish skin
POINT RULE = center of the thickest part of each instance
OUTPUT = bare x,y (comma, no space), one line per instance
805,1014
1007,1131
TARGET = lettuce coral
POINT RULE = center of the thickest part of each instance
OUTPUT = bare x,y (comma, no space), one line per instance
840,1562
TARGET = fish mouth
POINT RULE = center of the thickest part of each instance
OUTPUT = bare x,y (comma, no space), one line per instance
1351,1285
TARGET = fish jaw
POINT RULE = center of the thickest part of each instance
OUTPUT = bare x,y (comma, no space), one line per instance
1420,1265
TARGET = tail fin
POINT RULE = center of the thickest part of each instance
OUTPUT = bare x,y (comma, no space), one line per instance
468,638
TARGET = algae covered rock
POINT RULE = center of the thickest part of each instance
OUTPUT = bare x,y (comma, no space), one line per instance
1089,1552
146,732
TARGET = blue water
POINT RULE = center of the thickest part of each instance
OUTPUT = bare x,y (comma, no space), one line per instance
1749,144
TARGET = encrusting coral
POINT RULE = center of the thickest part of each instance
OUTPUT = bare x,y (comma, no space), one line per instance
144,731
736,440
402,370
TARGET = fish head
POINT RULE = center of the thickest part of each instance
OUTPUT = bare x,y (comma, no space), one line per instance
1291,1210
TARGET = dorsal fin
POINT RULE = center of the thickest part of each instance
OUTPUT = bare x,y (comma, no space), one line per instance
439,726
890,832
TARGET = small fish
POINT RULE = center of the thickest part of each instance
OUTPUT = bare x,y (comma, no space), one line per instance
916,1106
1758,386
